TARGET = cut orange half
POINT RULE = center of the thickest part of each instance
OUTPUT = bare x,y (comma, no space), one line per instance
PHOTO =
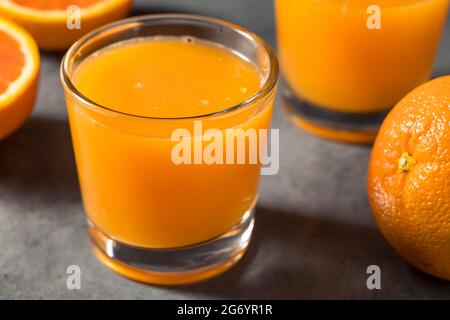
19,69
57,24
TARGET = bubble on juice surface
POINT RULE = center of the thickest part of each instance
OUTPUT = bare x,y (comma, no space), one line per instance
187,39
139,85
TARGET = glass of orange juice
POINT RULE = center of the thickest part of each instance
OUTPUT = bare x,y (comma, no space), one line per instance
130,86
347,62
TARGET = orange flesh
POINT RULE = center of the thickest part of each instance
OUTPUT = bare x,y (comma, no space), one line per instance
55,4
12,60
131,189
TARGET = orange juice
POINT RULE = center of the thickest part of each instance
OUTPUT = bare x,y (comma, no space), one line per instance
333,60
169,117
132,191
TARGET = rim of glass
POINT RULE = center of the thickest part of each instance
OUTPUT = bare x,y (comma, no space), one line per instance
268,85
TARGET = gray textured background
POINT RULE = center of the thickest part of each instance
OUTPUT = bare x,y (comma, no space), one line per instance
314,234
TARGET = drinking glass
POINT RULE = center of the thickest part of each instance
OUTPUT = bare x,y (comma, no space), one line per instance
346,63
149,219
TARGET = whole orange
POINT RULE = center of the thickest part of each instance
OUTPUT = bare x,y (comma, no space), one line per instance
409,178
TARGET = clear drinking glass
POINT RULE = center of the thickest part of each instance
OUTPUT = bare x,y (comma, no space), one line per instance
346,63
149,219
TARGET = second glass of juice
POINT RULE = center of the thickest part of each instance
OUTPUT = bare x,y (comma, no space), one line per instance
347,62
157,212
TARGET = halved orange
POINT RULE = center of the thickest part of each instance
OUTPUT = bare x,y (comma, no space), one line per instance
19,69
57,24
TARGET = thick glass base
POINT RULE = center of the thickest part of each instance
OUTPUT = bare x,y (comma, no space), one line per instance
177,265
333,125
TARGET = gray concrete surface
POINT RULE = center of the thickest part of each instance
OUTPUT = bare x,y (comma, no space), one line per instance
314,236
